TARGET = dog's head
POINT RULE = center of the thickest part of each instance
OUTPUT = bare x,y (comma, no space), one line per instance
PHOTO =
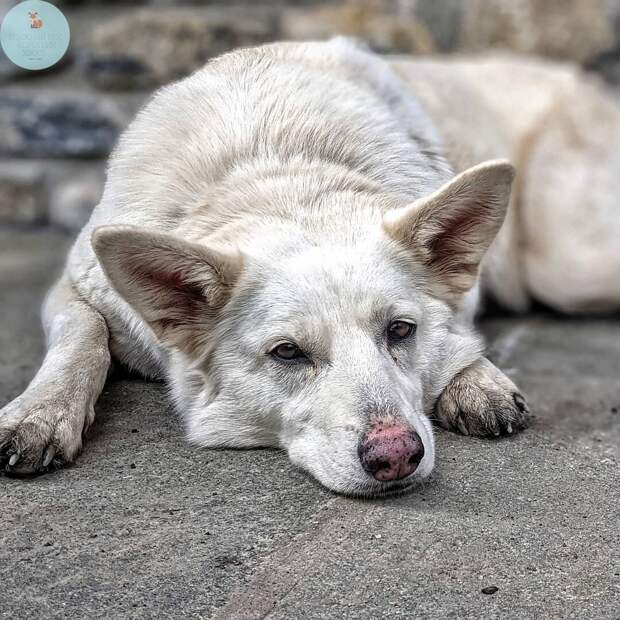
335,352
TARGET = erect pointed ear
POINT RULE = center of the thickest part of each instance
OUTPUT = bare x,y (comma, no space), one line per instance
177,287
449,231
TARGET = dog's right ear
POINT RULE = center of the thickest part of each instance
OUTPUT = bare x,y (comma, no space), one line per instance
450,231
176,286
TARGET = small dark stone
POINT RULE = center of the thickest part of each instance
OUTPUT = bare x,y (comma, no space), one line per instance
224,561
135,430
489,590
614,409
114,72
133,466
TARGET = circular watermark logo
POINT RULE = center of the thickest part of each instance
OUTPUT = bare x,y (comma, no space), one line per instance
35,35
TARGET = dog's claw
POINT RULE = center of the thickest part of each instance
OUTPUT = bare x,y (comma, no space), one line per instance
509,428
462,426
520,402
13,460
494,427
50,452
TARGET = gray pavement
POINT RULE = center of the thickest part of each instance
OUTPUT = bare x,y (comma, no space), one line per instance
145,525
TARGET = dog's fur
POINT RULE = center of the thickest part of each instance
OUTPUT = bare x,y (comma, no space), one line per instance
302,193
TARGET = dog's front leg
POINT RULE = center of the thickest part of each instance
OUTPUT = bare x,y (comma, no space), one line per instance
481,400
44,426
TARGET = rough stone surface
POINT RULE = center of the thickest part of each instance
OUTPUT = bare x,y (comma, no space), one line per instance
63,113
443,20
23,195
58,125
575,30
144,48
381,30
145,525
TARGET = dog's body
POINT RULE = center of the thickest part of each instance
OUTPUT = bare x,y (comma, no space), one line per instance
304,267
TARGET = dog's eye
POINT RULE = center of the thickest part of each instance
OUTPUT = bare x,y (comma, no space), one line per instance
287,351
399,330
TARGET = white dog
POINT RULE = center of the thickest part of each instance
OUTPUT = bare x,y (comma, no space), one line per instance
283,238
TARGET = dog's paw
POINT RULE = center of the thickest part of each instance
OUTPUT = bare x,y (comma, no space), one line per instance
482,401
39,435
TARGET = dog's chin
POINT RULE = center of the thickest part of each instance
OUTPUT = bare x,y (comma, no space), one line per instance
368,488
372,489
394,489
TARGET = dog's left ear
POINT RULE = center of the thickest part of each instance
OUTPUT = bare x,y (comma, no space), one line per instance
178,287
450,231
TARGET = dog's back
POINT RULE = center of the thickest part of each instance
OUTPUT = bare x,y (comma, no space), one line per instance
559,127
331,102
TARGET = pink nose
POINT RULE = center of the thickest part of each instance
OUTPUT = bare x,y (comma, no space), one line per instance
390,452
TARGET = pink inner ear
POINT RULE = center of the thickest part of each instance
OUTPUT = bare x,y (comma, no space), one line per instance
457,247
177,300
454,233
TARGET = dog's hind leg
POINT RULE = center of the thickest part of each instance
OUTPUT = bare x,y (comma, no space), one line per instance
481,400
43,427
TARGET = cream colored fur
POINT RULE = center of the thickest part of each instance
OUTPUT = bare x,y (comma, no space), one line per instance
560,129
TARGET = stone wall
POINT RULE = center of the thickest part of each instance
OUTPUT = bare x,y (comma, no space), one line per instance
57,127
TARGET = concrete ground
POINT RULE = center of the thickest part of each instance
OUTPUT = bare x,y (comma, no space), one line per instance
145,525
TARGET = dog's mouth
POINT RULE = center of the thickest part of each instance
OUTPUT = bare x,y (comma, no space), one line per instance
382,490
